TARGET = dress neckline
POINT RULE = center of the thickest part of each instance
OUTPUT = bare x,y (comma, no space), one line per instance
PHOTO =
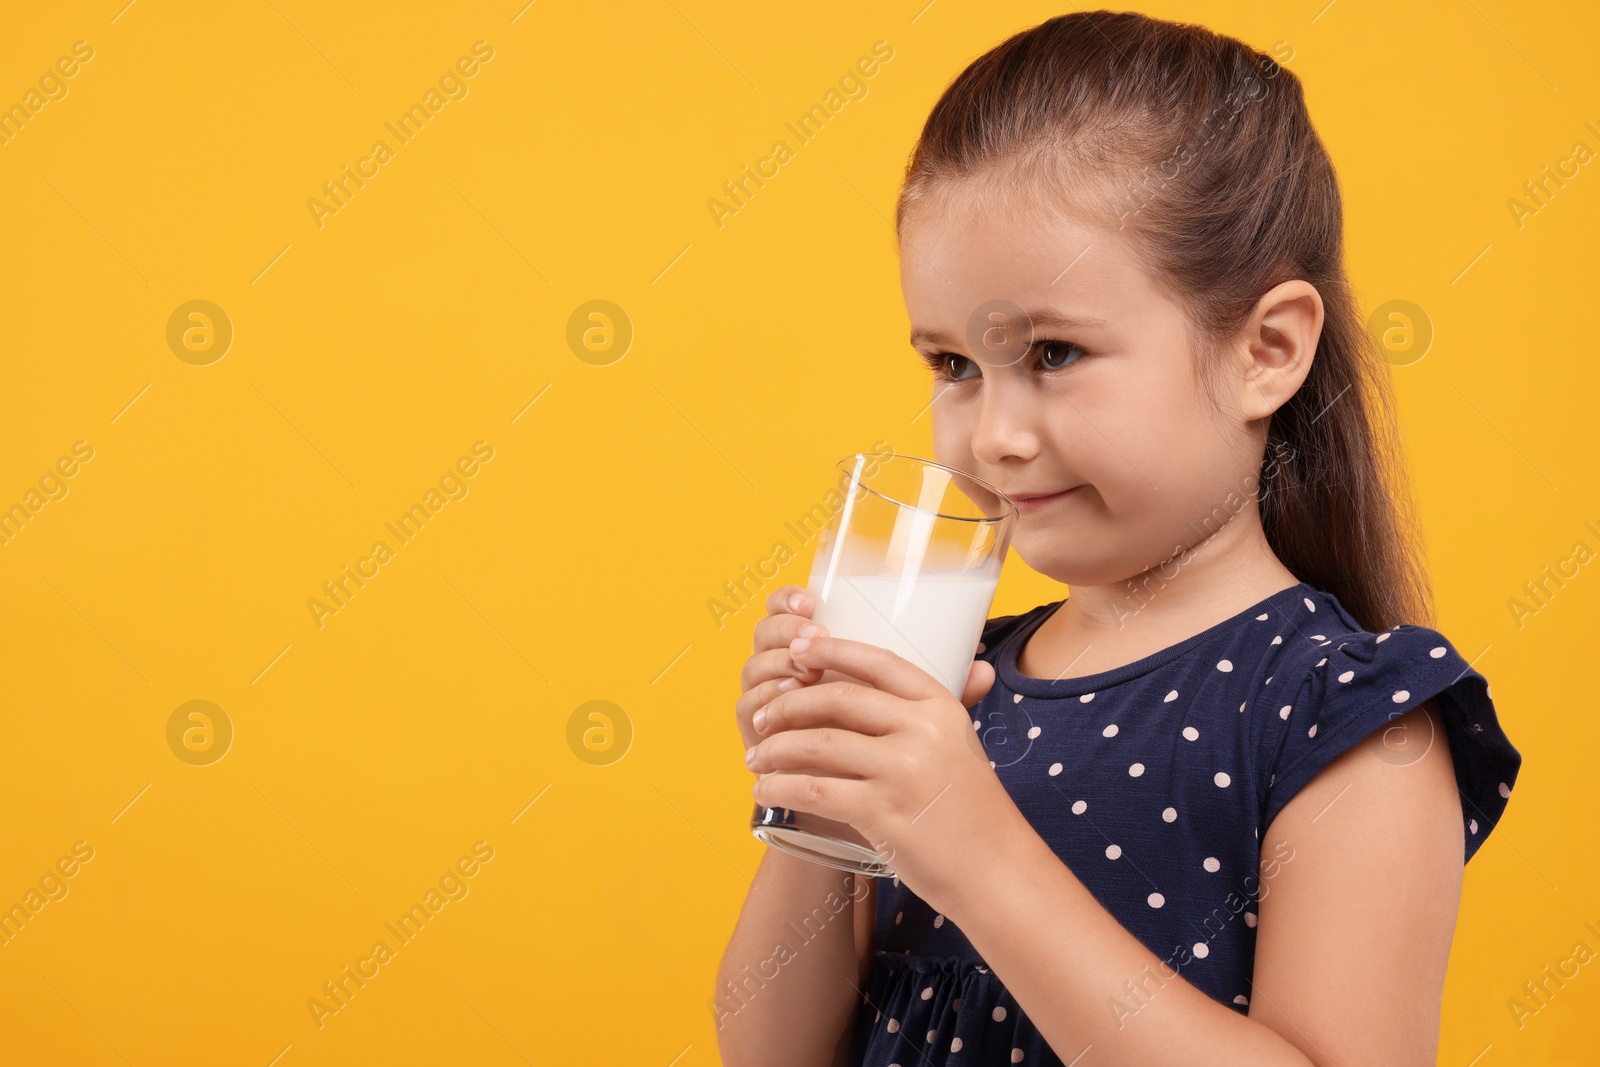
1015,681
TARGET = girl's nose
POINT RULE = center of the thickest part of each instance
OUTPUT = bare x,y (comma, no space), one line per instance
1004,426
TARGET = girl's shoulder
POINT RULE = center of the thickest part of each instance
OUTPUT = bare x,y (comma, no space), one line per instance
1001,627
1335,683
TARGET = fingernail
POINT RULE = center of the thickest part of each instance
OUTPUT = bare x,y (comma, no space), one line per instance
799,645
759,720
750,756
810,629
788,684
796,600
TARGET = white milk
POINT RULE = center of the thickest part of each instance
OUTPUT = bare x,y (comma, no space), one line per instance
934,621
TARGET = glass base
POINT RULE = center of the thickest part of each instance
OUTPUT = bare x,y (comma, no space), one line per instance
819,840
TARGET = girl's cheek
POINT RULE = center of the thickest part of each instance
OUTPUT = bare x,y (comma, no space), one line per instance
952,434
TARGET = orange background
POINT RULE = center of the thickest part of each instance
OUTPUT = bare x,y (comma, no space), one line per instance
445,702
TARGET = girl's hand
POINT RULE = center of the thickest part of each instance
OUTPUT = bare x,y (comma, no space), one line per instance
771,666
771,670
912,775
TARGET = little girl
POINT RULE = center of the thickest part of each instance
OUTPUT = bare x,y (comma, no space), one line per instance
1213,806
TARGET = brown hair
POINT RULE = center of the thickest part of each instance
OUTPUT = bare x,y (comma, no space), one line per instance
1227,191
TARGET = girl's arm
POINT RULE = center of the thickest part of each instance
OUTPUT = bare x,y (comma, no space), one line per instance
1355,934
786,985
1352,941
797,1006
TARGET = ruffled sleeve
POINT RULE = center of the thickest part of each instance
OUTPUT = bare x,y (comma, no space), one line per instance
1356,684
1000,627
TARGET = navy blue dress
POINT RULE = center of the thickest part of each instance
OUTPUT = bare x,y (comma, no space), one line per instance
1153,783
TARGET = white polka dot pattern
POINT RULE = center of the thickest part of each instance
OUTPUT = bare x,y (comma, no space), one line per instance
1157,794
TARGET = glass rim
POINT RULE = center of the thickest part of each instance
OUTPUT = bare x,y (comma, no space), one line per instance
847,465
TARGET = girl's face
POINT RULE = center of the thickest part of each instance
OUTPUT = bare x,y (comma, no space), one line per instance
1107,400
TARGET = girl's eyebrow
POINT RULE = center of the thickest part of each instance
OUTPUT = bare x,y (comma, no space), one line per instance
1046,319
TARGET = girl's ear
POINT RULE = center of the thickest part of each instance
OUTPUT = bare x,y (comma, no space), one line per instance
1279,344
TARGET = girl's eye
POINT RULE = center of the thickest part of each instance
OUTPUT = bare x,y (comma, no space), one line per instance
1051,355
1061,349
943,366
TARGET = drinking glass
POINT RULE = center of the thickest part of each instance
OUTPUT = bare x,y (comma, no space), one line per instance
908,561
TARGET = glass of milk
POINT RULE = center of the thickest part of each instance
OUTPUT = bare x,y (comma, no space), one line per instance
908,560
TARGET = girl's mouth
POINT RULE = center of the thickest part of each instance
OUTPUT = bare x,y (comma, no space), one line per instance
1034,503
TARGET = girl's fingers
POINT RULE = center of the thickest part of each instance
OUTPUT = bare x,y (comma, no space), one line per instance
790,599
775,664
855,707
876,666
980,679
827,750
776,631
839,799
761,694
